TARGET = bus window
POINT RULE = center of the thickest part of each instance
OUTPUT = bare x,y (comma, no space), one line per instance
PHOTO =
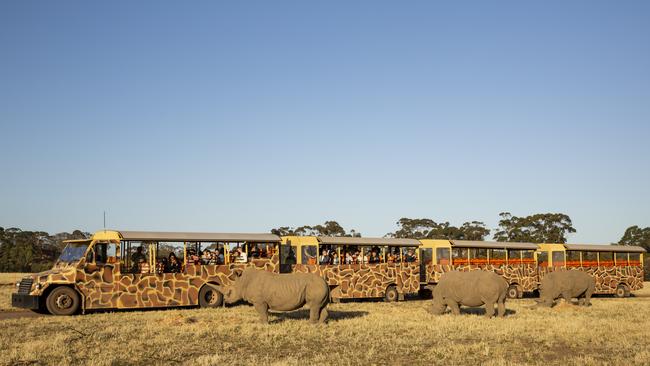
105,253
459,256
514,256
635,259
477,256
134,257
287,254
426,255
558,258
528,256
589,259
606,259
442,256
498,256
542,259
309,254
170,257
621,259
573,258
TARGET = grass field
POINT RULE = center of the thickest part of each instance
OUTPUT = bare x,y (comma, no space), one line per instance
612,331
10,278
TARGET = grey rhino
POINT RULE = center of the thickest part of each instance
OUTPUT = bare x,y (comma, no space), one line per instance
279,292
566,284
473,288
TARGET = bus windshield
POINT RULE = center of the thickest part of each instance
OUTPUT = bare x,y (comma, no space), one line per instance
73,252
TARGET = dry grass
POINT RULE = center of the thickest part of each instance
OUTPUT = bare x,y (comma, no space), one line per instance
11,278
612,331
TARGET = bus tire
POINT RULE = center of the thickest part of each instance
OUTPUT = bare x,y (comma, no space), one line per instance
513,292
391,294
62,301
622,291
209,297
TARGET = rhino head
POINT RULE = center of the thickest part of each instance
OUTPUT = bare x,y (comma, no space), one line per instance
230,293
438,306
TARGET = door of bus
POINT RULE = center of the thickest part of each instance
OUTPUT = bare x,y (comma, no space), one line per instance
426,256
102,272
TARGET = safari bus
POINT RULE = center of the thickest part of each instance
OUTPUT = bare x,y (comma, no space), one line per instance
356,267
137,269
515,262
618,269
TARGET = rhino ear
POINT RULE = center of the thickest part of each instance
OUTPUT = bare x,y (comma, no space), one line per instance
238,272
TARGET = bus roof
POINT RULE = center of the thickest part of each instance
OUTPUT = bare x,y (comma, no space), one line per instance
492,244
180,236
77,240
605,248
341,240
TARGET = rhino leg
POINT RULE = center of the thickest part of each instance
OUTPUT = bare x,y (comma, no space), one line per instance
567,297
501,304
453,305
489,309
314,313
263,310
323,314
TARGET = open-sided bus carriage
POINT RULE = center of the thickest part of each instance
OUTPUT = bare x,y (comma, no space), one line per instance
108,271
392,272
618,269
514,261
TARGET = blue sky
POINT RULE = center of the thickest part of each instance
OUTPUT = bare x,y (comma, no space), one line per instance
216,116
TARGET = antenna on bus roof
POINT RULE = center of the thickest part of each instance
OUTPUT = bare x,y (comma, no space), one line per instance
104,220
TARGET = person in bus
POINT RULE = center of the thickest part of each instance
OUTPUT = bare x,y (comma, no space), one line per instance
374,258
348,258
324,257
144,266
161,264
335,259
254,252
135,259
410,257
241,256
391,257
205,256
192,257
173,264
220,257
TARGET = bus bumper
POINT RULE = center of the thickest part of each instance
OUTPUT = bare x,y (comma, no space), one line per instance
25,301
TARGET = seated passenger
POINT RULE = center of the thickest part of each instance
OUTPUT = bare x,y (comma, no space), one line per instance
220,258
374,258
192,257
348,258
391,257
173,265
205,257
255,252
324,257
135,259
144,266
410,256
335,259
241,256
161,264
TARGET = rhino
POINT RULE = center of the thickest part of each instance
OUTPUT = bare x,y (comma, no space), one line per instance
566,284
473,288
279,292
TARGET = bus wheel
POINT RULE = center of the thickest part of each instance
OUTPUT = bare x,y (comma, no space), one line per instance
391,294
62,301
209,297
513,292
622,291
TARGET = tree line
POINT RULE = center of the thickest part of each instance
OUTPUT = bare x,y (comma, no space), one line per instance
32,251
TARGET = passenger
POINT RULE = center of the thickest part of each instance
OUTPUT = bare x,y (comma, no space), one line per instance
391,257
161,264
255,252
374,258
135,259
144,266
335,259
324,257
410,256
291,257
174,265
348,258
205,257
241,257
192,257
220,258
213,258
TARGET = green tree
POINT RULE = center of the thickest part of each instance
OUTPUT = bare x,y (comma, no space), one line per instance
640,237
329,228
537,228
428,229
